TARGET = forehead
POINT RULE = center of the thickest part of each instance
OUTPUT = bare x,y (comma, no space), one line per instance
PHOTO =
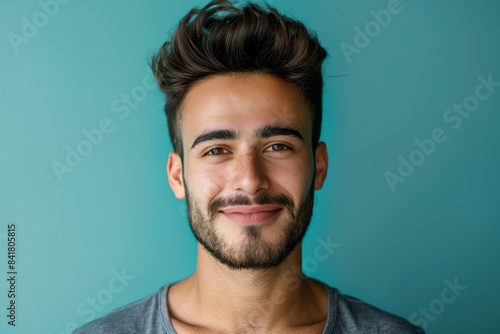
243,102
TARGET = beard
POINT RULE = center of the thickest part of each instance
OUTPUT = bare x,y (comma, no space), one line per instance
254,252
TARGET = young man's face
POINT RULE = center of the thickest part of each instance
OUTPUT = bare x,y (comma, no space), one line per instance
249,170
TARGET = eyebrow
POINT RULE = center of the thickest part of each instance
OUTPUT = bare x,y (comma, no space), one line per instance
270,131
215,135
261,133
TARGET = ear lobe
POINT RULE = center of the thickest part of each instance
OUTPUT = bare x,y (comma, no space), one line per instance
174,171
321,165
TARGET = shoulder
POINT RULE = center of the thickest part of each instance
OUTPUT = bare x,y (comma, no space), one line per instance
356,316
143,316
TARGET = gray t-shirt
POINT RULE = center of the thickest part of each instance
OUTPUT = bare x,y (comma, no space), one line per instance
345,315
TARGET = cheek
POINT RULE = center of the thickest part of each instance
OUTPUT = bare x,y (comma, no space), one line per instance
205,183
295,177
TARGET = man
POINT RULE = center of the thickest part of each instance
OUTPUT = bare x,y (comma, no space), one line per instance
244,104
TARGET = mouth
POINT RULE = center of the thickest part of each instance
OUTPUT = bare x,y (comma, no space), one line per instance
250,214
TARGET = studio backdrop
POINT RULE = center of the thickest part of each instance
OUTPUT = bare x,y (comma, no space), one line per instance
408,219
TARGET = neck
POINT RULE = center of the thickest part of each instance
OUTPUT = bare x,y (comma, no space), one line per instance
280,297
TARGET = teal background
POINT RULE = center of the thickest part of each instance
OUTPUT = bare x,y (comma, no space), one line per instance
115,211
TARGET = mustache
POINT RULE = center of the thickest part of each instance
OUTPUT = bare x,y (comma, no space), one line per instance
281,200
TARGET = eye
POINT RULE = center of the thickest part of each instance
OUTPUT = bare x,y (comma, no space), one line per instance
277,148
217,151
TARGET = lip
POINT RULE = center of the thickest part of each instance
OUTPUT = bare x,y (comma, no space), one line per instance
250,214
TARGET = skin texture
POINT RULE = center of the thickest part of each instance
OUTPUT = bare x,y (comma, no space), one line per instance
241,265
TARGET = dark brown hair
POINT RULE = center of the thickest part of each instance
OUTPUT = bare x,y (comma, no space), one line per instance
222,38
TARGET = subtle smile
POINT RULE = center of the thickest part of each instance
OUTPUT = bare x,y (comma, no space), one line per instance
250,214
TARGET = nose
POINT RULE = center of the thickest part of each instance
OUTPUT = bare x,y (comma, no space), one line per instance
249,174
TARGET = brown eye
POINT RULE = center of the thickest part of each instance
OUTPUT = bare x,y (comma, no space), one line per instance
216,151
277,148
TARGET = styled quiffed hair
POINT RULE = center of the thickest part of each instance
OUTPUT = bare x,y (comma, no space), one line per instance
222,38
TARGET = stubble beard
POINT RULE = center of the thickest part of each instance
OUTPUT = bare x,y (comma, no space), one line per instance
254,252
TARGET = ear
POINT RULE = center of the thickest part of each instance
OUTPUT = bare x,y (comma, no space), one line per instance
174,171
321,162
